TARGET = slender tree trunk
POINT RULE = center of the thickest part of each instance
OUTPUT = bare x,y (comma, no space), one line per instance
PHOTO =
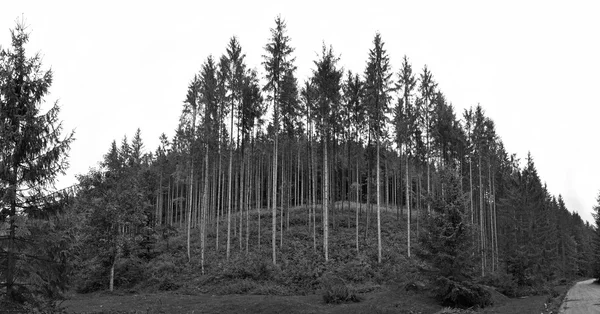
229,184
325,201
357,205
274,200
378,206
408,213
242,191
481,222
204,212
111,281
283,190
191,161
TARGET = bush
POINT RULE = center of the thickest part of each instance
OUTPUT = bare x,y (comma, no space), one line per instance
92,276
358,270
336,290
167,284
129,272
462,294
503,282
247,267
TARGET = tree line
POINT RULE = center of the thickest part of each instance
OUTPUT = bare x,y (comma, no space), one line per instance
342,147
343,144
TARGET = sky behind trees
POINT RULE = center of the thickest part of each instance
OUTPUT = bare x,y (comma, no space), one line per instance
532,66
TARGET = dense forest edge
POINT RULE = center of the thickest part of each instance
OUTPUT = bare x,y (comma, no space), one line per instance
338,185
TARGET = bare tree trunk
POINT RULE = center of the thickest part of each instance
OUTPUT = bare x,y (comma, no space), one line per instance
357,204
378,206
111,282
274,204
325,202
408,213
481,217
314,196
204,211
229,184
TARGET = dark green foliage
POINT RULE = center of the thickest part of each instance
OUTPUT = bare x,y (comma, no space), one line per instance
464,294
34,250
446,244
596,240
503,282
336,291
446,247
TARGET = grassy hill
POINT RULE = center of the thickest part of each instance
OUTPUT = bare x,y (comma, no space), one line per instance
159,278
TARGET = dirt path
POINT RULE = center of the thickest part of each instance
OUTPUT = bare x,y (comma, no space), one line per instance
583,298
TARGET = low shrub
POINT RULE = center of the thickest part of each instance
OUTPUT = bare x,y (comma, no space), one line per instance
129,272
336,291
167,284
504,283
462,294
247,267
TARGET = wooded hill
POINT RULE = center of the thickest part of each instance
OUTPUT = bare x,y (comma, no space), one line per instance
340,147
381,138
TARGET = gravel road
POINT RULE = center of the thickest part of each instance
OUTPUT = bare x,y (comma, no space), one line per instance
583,298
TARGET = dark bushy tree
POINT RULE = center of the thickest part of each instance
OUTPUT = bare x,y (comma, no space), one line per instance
447,246
33,152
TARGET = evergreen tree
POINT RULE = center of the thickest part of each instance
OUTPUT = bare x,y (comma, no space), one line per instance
596,239
328,84
32,153
277,62
447,245
377,97
404,119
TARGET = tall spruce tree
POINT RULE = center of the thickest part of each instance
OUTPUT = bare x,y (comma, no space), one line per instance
378,87
33,150
327,78
596,215
404,122
278,61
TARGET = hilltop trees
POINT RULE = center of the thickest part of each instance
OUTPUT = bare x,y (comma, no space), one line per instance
327,79
404,121
377,98
251,139
33,152
596,214
278,63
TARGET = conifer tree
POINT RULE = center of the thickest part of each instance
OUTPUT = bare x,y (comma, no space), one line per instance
377,97
236,72
278,61
404,122
596,215
33,150
327,79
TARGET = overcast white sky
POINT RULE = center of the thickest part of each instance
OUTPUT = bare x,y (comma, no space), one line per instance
532,65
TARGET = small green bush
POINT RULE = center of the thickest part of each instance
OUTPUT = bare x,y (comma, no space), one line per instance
336,291
167,284
129,272
463,294
503,282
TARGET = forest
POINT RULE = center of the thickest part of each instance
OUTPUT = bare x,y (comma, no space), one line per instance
279,185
